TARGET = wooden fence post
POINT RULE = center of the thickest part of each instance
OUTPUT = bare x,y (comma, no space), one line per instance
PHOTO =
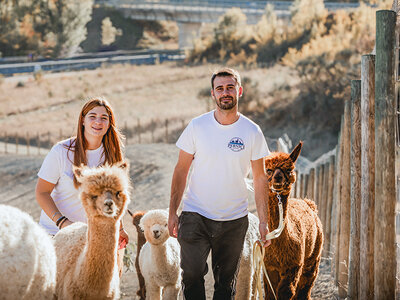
321,190
316,185
138,130
166,130
5,142
126,133
301,185
322,207
345,206
355,192
385,151
38,143
152,130
367,176
329,200
27,143
306,182
338,191
311,184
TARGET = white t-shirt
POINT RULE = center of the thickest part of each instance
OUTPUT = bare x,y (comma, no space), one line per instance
222,160
57,169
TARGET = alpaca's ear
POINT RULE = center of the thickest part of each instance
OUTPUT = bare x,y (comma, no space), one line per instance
137,216
124,165
141,224
78,172
296,152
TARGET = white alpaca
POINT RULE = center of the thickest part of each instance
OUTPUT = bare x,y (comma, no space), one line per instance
27,257
87,254
159,258
246,276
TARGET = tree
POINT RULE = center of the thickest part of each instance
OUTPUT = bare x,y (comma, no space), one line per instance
47,27
66,28
17,34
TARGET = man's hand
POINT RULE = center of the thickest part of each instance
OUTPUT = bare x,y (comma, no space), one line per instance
173,225
263,228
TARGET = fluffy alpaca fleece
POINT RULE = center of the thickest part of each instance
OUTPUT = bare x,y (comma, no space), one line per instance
159,258
27,257
293,258
141,240
246,276
87,254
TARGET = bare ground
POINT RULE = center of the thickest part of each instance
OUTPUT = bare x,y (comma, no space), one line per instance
145,93
151,171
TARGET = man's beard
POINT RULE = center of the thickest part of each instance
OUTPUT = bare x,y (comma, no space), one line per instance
226,106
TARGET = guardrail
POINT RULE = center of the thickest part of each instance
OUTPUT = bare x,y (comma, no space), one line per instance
256,5
89,63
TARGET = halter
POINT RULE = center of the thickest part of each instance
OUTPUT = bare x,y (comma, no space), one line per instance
285,185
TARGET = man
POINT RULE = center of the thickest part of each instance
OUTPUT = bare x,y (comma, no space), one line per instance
222,145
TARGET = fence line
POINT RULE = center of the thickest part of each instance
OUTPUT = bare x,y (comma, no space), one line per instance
358,200
153,131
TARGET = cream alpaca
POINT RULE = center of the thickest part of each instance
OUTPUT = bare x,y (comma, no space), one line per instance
27,257
159,258
87,254
246,276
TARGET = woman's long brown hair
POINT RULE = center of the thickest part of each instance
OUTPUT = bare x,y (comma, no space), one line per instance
112,140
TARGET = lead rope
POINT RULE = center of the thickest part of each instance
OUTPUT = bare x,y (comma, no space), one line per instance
259,253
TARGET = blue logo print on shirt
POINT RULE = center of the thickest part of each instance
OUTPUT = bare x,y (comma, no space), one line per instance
236,144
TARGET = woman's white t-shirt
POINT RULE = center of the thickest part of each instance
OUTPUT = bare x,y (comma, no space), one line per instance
222,160
57,169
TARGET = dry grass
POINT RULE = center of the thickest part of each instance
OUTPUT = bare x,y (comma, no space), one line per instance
147,92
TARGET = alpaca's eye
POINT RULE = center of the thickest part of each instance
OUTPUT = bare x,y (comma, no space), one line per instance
269,172
118,193
94,197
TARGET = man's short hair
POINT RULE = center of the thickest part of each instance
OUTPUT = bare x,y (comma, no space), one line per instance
224,73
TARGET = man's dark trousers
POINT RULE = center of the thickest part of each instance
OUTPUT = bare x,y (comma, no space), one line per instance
197,235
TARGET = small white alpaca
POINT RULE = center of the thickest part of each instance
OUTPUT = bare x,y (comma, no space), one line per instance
246,276
159,258
27,257
87,254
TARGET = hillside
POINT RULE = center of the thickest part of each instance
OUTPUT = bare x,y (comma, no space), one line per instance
154,93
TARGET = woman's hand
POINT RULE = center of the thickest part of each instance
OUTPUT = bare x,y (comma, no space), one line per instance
123,238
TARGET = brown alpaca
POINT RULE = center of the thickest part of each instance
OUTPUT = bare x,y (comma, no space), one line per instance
293,258
141,240
87,254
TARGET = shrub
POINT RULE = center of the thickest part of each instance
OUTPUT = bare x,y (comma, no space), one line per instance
108,32
231,36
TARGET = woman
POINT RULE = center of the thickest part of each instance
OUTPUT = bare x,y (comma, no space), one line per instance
97,141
